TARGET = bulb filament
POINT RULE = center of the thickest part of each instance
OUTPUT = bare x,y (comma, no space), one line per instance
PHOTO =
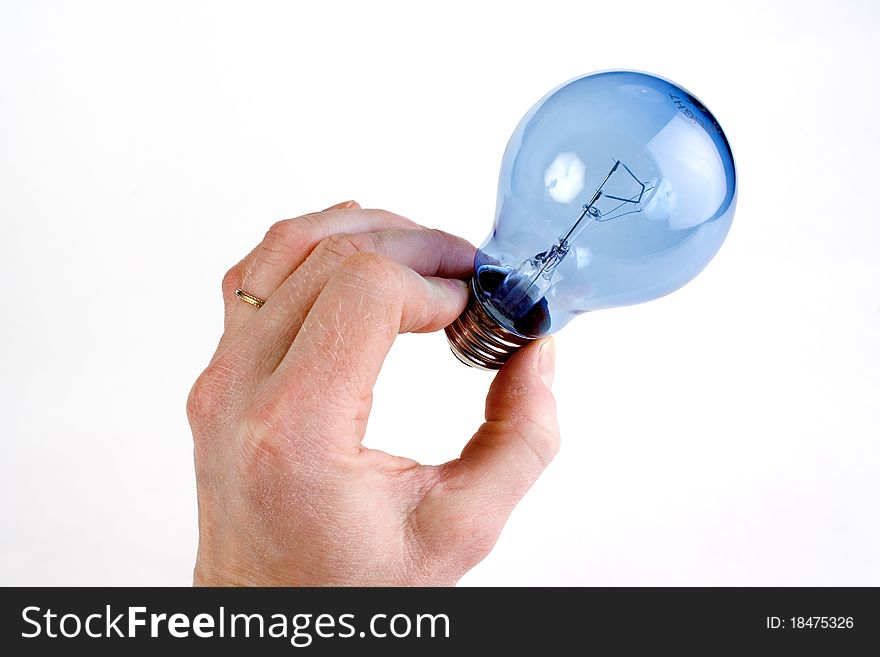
532,277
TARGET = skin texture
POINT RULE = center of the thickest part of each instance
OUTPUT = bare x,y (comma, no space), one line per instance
287,494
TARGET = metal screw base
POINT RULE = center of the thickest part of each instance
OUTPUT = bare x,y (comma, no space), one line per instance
479,341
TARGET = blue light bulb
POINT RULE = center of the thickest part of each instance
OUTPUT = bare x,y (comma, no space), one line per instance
615,188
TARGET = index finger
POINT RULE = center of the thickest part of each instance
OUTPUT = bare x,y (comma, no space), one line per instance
286,246
334,361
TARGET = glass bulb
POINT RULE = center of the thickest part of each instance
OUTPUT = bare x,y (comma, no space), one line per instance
615,188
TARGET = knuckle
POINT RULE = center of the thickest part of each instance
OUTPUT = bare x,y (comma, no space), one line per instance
453,532
264,413
231,281
283,236
369,265
209,396
372,286
542,440
383,280
269,413
340,246
273,436
200,401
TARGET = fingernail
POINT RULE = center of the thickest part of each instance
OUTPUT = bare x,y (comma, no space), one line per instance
547,361
445,285
345,205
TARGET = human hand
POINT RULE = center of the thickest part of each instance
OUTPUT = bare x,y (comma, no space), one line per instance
287,494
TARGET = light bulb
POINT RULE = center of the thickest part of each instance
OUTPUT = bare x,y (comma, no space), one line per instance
615,188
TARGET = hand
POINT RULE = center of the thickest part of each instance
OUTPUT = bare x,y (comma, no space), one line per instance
287,494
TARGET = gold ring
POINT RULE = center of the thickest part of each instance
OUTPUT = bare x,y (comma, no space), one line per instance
250,298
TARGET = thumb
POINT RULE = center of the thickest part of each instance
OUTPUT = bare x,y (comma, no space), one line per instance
510,450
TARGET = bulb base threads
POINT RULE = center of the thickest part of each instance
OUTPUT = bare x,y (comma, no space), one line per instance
479,341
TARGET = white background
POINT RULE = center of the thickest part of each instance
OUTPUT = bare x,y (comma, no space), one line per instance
726,434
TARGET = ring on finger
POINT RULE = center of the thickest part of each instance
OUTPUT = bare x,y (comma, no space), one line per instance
250,298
